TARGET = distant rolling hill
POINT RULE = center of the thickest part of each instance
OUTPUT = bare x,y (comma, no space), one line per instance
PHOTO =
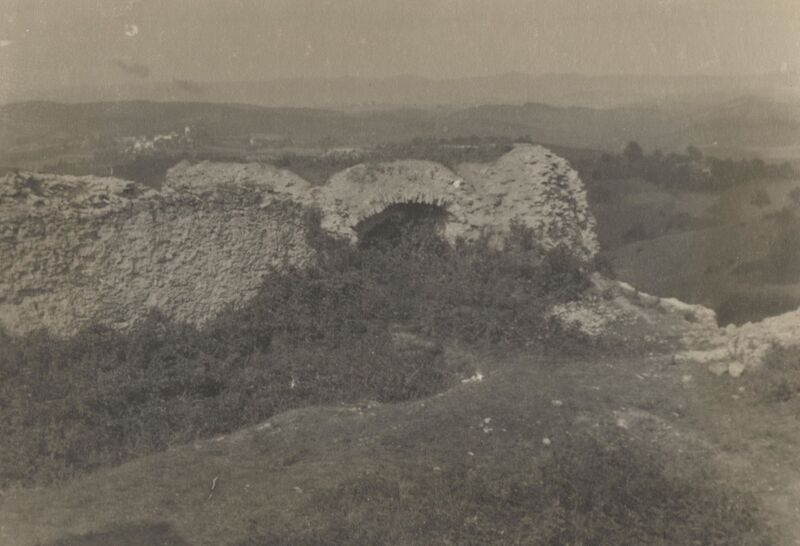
749,121
743,122
598,91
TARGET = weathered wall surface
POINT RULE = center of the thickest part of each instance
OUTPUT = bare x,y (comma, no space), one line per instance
529,185
77,250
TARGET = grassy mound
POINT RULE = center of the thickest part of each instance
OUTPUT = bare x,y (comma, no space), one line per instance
321,334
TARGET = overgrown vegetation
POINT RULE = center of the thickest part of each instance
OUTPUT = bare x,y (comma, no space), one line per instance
325,334
319,334
589,490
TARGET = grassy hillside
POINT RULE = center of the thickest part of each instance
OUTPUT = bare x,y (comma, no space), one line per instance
736,252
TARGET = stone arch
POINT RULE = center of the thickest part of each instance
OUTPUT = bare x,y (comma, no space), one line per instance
363,197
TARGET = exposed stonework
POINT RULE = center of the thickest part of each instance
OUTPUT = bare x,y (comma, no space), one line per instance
529,185
750,342
691,329
615,308
738,349
77,250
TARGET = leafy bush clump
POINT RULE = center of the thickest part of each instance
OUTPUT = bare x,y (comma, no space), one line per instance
319,334
588,491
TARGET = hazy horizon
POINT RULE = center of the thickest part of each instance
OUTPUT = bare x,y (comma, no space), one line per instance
47,44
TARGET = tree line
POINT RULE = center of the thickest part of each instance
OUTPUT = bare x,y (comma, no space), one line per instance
688,170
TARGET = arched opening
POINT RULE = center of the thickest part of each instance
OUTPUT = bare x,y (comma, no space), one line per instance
402,221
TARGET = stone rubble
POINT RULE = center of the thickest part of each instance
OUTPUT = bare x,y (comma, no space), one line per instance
615,305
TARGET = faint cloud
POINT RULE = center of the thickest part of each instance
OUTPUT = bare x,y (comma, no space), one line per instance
131,30
5,43
193,88
133,69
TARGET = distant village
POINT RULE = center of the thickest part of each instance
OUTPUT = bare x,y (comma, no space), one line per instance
144,145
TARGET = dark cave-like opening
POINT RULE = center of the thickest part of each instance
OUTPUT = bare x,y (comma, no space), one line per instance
400,221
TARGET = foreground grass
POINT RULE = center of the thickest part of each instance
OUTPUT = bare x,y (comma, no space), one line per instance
589,491
435,472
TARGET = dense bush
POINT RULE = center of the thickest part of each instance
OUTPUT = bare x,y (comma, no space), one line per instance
316,334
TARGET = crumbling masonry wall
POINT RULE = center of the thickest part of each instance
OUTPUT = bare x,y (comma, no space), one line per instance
82,250
74,251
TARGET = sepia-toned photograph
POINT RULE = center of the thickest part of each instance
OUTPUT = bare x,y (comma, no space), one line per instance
399,272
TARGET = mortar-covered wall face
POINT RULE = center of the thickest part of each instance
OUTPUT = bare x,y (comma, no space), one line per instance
529,185
75,251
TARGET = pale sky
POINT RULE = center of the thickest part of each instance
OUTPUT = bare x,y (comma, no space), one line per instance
54,43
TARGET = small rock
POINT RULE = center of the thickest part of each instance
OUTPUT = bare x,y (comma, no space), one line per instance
477,378
718,368
546,441
736,369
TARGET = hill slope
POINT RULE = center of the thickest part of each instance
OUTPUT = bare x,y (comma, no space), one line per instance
464,466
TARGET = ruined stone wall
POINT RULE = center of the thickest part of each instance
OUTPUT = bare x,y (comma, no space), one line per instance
529,185
79,250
